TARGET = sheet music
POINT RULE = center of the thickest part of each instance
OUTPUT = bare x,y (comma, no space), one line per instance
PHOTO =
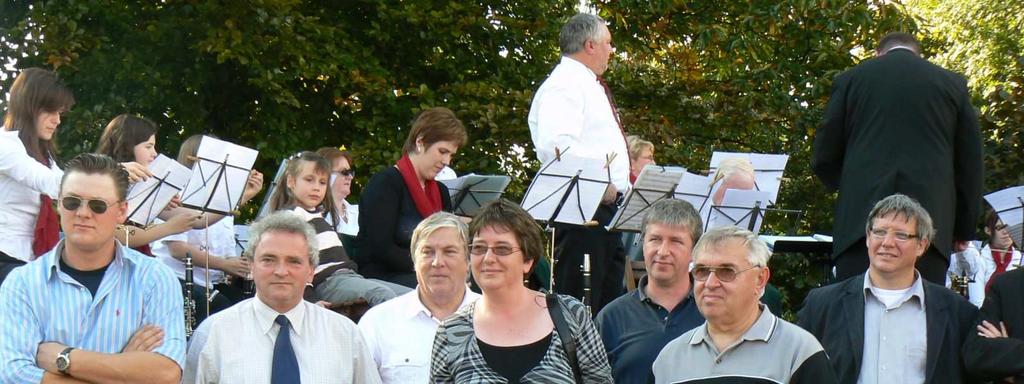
696,190
736,209
146,199
768,169
470,192
218,176
655,182
1008,205
552,183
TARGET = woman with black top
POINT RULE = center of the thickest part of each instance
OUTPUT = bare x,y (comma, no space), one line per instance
512,333
397,198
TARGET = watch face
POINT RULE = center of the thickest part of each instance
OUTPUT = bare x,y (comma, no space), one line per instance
62,362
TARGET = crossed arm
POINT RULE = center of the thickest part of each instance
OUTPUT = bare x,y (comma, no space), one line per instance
137,363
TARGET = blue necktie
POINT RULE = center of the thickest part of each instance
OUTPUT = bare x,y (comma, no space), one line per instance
285,369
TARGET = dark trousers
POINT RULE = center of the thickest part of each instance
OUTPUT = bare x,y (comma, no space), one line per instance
854,261
7,264
607,260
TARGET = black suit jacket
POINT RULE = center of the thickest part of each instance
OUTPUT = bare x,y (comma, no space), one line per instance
835,315
898,123
997,358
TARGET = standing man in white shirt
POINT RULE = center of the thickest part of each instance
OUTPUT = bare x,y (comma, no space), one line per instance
400,332
277,337
573,111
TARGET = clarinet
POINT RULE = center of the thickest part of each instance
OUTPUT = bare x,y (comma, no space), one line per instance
190,302
586,281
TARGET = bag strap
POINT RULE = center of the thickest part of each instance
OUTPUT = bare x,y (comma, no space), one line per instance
568,341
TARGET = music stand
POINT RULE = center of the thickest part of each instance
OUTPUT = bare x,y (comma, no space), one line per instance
218,176
696,190
768,170
741,208
654,184
566,190
278,177
1009,206
470,192
146,199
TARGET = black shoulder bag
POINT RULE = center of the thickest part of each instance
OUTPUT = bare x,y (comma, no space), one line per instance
568,341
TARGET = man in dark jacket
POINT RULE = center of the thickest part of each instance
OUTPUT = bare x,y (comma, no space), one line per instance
899,124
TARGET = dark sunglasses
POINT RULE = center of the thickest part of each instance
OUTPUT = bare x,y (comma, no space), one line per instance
347,172
72,203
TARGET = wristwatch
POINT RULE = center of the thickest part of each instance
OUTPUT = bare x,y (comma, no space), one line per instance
64,360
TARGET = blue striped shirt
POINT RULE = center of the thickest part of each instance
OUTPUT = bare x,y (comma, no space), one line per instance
40,303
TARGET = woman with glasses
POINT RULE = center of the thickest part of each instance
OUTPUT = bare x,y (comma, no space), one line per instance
342,175
514,334
397,198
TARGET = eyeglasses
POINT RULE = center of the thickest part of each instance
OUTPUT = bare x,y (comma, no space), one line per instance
724,274
347,172
500,250
72,203
881,234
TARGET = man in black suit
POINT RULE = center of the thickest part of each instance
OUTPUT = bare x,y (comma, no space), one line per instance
995,351
890,325
897,123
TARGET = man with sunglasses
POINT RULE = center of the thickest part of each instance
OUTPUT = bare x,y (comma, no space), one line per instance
91,310
635,326
889,324
741,341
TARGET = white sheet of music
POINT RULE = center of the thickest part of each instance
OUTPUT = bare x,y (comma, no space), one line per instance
654,183
218,176
1008,205
482,190
552,182
146,199
768,169
736,209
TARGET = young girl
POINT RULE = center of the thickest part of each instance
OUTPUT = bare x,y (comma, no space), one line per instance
29,176
305,191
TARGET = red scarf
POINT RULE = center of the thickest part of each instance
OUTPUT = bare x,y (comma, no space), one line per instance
427,198
1002,260
47,231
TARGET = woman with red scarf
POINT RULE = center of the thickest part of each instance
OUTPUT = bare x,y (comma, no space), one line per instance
397,198
29,175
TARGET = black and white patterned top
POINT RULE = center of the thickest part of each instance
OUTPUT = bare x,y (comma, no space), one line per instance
332,253
456,356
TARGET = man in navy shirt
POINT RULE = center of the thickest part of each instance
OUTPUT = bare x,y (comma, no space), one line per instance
636,326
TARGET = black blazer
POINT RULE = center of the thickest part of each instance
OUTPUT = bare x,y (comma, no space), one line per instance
898,123
835,315
997,358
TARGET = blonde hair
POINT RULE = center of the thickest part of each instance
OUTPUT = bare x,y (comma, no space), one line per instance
729,166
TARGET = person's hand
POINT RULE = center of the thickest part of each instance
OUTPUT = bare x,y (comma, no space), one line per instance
174,203
987,330
145,339
960,245
253,185
237,266
182,222
46,356
610,194
136,172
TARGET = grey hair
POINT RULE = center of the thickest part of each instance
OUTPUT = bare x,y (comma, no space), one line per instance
674,213
906,206
758,253
636,145
287,222
433,223
731,165
577,31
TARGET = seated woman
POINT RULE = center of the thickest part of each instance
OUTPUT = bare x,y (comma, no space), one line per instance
305,193
342,175
397,198
512,333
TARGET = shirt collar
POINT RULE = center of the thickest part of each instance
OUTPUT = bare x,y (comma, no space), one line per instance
122,258
761,330
916,289
265,316
413,306
578,67
641,292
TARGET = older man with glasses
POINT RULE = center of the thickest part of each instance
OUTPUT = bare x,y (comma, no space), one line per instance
889,325
741,341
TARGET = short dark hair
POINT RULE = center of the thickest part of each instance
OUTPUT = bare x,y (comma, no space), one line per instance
894,39
122,134
332,154
433,125
510,216
96,164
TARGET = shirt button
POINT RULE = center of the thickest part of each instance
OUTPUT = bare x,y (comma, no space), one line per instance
884,338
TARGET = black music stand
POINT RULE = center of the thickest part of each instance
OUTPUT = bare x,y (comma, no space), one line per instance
743,208
218,176
470,192
768,170
146,199
654,184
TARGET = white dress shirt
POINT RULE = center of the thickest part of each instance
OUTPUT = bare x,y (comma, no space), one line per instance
22,180
400,335
219,238
236,345
571,110
895,334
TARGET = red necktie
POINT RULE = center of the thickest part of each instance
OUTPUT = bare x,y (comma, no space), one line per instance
615,110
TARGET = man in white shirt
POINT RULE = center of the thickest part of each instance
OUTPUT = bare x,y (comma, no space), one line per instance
573,111
244,344
400,332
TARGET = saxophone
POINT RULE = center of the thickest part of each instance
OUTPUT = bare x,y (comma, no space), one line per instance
190,302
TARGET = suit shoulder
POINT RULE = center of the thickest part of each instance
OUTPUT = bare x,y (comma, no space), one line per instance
1009,281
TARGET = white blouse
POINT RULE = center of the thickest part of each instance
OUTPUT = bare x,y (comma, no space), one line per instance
22,180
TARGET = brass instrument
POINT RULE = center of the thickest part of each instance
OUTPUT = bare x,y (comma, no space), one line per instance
959,283
190,302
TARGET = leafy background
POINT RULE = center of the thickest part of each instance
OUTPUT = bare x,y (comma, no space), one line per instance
692,76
